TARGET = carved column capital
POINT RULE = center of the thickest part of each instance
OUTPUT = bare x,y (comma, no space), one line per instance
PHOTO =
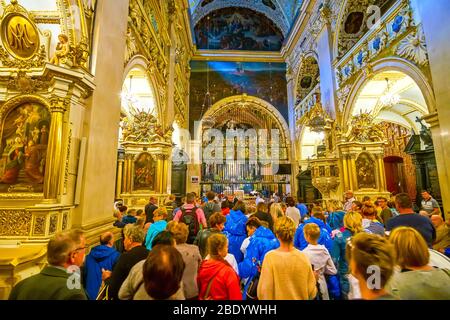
59,104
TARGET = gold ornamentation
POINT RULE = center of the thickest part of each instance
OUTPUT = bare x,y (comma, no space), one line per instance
15,223
25,84
53,223
66,170
37,62
143,128
20,35
64,221
363,129
39,225
61,55
59,104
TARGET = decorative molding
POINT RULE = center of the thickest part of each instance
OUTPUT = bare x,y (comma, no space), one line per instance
25,84
53,224
15,223
39,225
414,48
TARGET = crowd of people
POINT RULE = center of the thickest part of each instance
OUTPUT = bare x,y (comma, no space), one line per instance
224,248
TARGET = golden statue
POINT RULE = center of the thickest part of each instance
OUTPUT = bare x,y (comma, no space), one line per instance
62,50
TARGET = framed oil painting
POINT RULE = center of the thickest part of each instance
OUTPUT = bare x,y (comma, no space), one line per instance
23,148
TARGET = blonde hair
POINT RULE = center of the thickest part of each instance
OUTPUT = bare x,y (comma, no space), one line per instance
160,212
216,242
285,229
353,222
411,249
276,211
312,230
179,230
368,250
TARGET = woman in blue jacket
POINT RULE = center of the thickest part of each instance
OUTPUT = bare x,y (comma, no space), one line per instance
159,225
262,240
235,230
352,225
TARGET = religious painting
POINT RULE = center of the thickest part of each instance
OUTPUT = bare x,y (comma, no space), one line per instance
238,29
23,147
354,22
144,172
306,82
264,80
365,172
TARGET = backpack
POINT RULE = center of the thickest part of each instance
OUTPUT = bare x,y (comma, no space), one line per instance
189,217
208,209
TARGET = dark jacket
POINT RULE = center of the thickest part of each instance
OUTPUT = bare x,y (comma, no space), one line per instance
422,224
129,219
264,216
202,240
122,268
50,284
149,208
209,209
100,257
236,233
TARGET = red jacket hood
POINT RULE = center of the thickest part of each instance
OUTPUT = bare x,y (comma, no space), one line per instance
209,269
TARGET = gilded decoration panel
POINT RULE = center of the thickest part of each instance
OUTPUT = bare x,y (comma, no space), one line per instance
53,224
39,225
15,223
65,221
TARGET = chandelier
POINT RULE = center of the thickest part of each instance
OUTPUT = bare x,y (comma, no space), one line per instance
389,99
128,97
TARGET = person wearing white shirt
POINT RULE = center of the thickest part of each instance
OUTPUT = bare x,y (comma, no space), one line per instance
292,211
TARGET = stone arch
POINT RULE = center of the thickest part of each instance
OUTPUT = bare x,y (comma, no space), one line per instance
389,64
258,103
140,62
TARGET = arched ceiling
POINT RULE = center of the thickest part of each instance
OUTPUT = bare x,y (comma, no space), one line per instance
281,12
412,103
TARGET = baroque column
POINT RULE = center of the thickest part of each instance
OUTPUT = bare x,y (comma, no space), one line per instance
55,148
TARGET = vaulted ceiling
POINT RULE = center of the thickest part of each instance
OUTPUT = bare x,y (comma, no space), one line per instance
281,12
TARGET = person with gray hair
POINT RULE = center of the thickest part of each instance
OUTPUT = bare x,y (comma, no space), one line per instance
60,279
133,238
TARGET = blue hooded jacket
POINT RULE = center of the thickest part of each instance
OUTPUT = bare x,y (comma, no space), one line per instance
262,241
155,229
236,233
336,220
324,239
100,257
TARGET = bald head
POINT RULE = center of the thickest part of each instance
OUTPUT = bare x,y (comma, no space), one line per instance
437,220
107,239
